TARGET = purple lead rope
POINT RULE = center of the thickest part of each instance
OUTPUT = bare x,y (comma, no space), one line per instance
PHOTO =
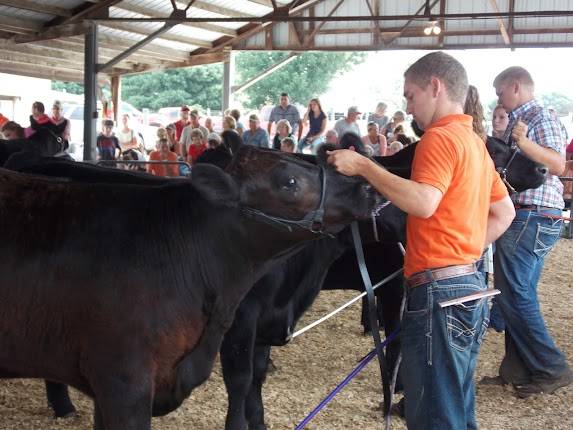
345,382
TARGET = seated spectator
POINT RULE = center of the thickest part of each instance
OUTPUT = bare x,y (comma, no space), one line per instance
236,114
163,154
12,130
379,116
287,144
213,140
331,137
374,140
255,135
284,129
126,135
107,144
317,121
231,140
38,116
196,147
394,147
209,124
171,136
398,118
348,124
161,134
229,123
58,119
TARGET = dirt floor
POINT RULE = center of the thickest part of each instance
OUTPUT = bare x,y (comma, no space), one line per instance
316,361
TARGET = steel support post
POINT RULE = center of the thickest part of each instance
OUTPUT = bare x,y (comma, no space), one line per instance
90,94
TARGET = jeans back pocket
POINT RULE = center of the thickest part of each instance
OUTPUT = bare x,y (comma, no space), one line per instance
545,238
463,321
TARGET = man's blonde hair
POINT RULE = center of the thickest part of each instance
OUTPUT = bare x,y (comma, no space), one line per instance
514,74
444,67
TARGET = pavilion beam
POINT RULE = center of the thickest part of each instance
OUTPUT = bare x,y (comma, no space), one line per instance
170,37
116,96
375,11
90,93
19,25
151,13
43,73
36,7
442,22
410,21
267,72
87,11
272,18
64,30
228,79
511,23
319,26
502,29
165,28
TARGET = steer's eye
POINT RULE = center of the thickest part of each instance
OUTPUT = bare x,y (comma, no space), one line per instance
290,183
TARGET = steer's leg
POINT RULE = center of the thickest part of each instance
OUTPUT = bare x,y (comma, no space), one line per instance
123,399
237,364
254,408
59,399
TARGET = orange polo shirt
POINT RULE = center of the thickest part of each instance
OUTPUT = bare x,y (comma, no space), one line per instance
452,158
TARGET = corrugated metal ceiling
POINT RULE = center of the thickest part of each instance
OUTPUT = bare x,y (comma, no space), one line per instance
401,26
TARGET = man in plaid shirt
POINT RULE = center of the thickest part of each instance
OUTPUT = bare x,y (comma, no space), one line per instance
532,362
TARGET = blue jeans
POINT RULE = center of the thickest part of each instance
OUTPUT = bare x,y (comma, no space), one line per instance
531,354
440,349
313,145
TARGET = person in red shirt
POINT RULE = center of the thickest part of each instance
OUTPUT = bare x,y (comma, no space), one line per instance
183,122
163,154
456,205
197,146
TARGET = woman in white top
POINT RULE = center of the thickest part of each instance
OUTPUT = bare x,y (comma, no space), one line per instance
126,135
375,140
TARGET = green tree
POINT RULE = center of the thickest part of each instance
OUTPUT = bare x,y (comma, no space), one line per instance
562,104
68,87
305,77
199,86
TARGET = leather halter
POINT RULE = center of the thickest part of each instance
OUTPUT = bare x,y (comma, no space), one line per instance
313,221
503,170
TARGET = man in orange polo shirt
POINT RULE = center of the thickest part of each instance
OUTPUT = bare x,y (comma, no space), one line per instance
457,205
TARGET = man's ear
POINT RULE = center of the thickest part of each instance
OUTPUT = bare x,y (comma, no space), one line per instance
215,185
437,86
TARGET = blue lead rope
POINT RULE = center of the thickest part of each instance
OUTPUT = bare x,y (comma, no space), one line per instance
345,382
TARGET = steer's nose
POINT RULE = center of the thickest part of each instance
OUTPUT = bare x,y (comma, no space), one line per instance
543,170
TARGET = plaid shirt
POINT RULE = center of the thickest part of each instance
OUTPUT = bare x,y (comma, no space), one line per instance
290,113
545,131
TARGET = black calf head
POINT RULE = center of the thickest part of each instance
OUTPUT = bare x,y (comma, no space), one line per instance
518,171
283,186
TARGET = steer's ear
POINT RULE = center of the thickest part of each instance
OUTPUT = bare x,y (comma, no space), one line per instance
215,185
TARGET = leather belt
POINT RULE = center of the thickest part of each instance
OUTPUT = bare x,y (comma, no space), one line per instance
442,273
532,207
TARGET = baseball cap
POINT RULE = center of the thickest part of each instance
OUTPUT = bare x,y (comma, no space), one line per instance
184,108
253,117
353,109
194,113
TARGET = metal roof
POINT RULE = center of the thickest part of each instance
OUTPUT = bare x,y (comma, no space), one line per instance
45,38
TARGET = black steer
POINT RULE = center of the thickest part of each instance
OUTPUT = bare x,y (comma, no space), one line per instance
139,341
45,142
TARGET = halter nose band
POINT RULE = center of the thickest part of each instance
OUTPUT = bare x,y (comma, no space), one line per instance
313,221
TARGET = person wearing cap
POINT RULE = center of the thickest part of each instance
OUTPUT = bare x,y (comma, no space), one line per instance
182,122
284,110
58,119
456,205
255,135
194,124
533,363
348,124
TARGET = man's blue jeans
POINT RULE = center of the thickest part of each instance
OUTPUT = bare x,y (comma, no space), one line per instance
440,349
531,354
